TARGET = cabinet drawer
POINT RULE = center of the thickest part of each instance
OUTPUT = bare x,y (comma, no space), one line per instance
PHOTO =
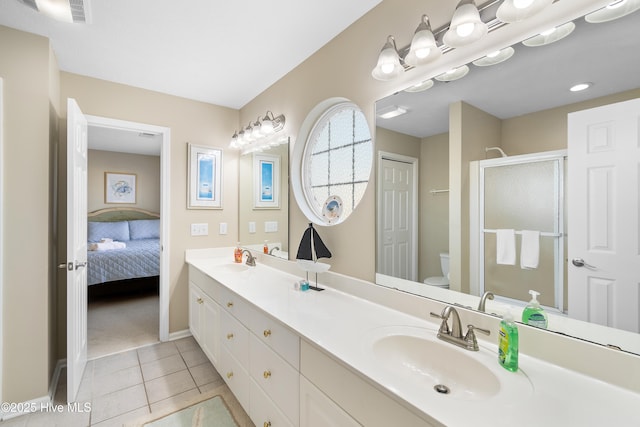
204,282
277,336
263,411
235,376
275,376
235,305
235,338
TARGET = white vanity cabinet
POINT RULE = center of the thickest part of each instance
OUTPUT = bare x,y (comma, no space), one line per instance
204,313
256,355
342,398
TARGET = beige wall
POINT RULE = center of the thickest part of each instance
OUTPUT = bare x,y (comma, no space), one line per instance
471,130
30,100
547,130
147,171
434,208
343,68
189,121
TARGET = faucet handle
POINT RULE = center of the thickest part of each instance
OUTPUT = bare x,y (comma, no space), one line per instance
444,326
470,337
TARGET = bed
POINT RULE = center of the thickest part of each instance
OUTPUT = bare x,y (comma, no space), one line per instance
138,229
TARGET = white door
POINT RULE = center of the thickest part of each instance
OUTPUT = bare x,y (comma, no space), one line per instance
603,215
397,254
76,247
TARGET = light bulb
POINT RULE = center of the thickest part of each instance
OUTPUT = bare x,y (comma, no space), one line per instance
548,32
464,30
493,54
522,4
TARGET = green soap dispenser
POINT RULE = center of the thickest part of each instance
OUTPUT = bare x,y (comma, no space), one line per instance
533,314
508,343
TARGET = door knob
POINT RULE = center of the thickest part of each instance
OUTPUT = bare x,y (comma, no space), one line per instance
80,264
579,262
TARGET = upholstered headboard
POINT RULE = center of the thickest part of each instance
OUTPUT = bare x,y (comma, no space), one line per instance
121,214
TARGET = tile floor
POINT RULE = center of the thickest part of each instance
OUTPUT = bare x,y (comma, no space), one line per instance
136,384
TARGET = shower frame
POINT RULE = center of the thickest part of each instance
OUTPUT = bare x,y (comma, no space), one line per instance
478,230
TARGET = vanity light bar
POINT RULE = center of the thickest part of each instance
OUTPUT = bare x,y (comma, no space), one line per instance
488,17
258,135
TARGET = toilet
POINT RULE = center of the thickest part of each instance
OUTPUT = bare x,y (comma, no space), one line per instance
440,281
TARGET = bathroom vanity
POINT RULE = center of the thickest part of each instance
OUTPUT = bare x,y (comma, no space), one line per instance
310,358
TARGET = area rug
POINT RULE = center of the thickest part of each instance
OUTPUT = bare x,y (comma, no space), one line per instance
212,412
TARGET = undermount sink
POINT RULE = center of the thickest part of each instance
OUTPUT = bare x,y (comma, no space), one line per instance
235,268
416,358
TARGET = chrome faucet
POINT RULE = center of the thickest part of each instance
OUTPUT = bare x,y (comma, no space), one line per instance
454,335
483,300
275,248
251,260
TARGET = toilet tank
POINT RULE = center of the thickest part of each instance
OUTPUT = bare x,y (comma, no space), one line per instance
444,263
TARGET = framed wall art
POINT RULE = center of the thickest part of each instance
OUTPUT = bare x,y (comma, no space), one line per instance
119,187
205,177
266,181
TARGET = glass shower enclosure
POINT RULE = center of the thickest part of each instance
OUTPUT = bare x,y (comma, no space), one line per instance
523,193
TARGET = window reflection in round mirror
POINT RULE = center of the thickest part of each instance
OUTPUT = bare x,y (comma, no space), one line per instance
334,162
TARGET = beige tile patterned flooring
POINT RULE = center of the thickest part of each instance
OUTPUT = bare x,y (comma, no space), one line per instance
137,385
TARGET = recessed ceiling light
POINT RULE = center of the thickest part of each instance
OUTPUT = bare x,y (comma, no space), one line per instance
494,58
580,87
391,111
551,35
453,74
427,84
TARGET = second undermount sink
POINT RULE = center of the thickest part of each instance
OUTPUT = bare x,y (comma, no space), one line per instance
235,268
416,358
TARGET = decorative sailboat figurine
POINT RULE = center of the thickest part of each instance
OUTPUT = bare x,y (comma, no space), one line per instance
310,250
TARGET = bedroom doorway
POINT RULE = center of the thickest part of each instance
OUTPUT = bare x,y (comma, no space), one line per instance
119,319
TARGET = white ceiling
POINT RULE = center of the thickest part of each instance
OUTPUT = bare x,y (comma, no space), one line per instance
221,52
124,141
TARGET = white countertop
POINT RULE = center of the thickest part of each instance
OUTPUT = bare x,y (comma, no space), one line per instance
343,325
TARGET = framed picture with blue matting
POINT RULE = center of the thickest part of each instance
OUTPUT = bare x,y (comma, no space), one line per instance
266,181
205,177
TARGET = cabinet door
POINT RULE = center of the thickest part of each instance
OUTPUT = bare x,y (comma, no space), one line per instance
195,311
210,327
317,410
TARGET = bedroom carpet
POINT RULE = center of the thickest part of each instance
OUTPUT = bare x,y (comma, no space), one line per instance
121,322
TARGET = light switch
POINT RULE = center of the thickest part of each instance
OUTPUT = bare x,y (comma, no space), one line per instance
223,228
252,227
201,229
271,226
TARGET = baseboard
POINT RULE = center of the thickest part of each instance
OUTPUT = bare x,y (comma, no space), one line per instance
53,385
22,408
179,334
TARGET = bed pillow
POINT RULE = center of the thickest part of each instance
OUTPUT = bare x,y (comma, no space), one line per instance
144,229
118,231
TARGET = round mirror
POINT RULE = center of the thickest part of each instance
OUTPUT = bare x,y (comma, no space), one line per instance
331,168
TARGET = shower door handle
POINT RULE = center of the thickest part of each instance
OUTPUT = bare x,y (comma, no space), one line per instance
579,262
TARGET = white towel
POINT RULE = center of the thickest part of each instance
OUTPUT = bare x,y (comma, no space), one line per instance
530,249
106,246
506,247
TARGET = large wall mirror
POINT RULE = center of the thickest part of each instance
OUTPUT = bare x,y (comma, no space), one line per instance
264,200
522,106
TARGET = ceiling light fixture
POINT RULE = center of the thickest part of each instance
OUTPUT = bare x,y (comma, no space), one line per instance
519,10
259,134
388,67
552,35
391,111
494,58
614,10
423,45
580,87
453,74
70,11
466,26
